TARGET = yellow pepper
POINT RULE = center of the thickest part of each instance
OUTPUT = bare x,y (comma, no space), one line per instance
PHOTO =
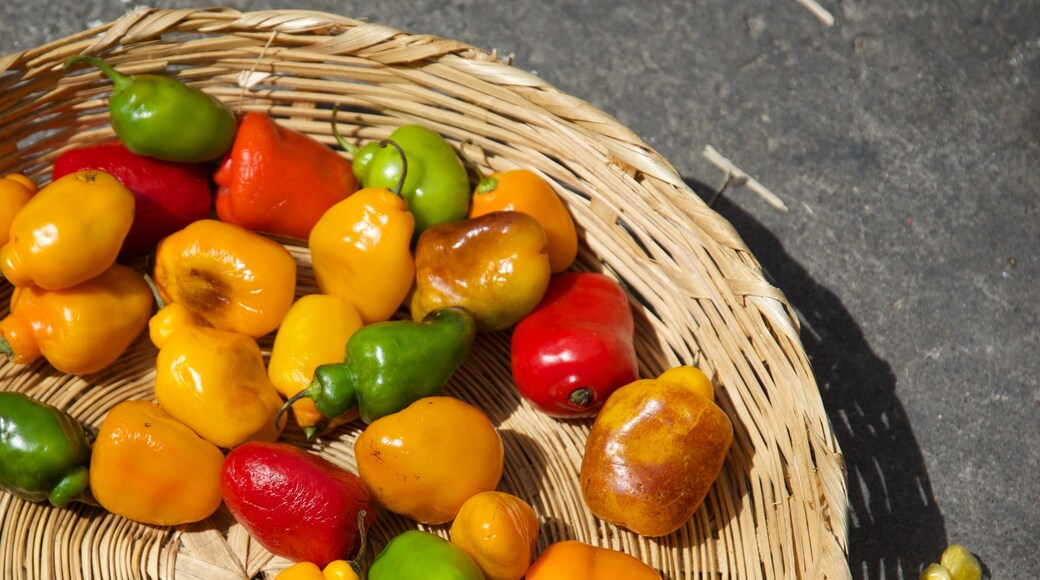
361,251
69,232
79,330
499,532
314,332
571,559
15,191
336,570
150,468
229,277
213,380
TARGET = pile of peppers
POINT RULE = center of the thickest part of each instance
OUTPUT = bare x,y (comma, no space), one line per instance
178,231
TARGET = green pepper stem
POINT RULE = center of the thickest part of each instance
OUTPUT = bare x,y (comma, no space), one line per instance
355,564
487,183
159,302
120,80
350,147
404,164
5,347
304,393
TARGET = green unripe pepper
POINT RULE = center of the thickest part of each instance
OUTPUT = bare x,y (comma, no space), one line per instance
44,452
436,186
161,117
419,555
390,365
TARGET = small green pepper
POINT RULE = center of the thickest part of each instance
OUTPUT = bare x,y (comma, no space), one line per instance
161,117
419,555
44,452
436,186
389,365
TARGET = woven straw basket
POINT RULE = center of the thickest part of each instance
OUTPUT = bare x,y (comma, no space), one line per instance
778,510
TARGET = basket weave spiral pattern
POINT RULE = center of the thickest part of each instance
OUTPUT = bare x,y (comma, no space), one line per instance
779,508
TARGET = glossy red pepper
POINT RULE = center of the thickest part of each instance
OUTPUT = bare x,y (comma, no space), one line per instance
168,195
576,347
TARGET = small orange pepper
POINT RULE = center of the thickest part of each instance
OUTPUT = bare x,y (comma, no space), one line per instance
499,532
148,467
571,560
313,333
15,191
525,191
336,570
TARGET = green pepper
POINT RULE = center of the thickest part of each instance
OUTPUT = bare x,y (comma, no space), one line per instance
44,452
419,555
436,186
390,365
161,117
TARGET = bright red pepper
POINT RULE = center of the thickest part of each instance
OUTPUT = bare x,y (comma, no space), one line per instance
279,181
167,195
576,347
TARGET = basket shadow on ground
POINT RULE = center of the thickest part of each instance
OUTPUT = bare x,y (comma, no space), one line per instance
895,527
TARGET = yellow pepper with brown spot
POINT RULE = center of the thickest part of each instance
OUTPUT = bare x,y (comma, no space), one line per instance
69,232
212,380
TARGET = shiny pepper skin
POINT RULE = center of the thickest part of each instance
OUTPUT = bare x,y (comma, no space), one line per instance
496,266
213,380
78,330
313,333
360,251
499,532
15,191
653,452
573,560
229,277
420,555
525,191
44,452
69,232
148,467
336,570
425,461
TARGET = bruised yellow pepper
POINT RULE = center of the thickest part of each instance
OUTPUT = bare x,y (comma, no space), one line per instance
499,532
69,232
361,251
225,275
313,333
79,330
213,380
15,191
148,467
336,570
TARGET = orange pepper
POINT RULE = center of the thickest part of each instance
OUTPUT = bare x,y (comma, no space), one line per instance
150,468
79,330
336,570
279,181
574,560
499,531
314,332
15,191
525,191
229,277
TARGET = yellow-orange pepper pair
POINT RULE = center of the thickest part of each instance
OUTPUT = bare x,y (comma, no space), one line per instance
148,467
336,570
81,329
15,191
212,380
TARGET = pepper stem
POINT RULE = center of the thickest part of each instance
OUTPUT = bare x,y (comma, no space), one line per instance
404,164
355,564
5,347
285,407
350,147
581,397
120,80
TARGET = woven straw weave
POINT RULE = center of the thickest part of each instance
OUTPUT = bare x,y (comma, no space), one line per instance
779,508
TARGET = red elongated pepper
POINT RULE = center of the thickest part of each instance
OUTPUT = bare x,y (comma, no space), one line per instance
576,347
279,181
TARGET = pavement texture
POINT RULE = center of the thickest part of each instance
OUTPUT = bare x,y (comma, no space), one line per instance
903,138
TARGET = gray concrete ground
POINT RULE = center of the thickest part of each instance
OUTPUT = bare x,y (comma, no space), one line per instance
904,139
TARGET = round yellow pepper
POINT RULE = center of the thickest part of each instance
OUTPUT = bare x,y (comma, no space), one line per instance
148,467
214,381
229,277
499,532
81,329
15,191
69,232
336,570
314,332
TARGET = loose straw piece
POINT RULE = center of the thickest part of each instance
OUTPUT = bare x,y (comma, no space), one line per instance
740,176
818,11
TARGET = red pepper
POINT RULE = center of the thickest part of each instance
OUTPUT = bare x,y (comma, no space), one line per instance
167,195
576,347
279,181
295,503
